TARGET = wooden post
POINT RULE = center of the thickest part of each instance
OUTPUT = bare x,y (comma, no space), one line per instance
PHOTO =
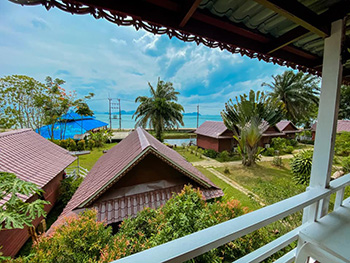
327,113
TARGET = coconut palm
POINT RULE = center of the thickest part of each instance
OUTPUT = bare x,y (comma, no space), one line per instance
159,111
298,92
247,119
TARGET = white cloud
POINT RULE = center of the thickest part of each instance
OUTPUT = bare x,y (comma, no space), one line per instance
118,41
147,41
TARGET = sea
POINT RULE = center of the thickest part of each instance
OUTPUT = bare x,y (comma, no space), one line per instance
127,122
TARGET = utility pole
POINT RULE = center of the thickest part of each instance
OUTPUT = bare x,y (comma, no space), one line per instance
120,115
110,113
197,115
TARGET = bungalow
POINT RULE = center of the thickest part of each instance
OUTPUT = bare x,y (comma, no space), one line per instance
215,135
342,126
139,172
288,128
34,159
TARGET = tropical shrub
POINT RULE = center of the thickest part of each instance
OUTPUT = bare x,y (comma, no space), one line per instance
277,161
101,137
72,146
224,156
279,144
76,240
183,214
346,164
269,152
288,149
300,166
210,153
292,142
81,145
68,187
226,170
64,143
91,144
342,144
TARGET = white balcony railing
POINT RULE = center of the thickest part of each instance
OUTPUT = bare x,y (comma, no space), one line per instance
191,246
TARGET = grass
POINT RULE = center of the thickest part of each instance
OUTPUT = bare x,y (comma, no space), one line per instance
88,161
190,157
176,135
270,183
231,192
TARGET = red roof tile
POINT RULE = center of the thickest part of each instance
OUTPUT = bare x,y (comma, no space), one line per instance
213,129
342,126
115,210
113,165
283,124
32,157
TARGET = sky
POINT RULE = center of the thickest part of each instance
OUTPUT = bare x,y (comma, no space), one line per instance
118,62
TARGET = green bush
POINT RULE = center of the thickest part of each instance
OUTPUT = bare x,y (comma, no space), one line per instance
227,170
101,137
307,142
75,240
72,145
277,161
279,144
91,144
300,166
342,144
224,156
293,142
210,153
81,145
346,164
64,144
269,152
57,142
182,215
289,149
68,187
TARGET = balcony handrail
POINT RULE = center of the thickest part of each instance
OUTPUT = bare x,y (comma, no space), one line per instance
195,244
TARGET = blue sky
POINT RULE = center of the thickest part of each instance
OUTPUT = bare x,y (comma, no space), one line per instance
98,56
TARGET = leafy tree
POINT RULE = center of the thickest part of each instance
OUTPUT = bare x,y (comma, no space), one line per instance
344,104
20,102
299,94
98,139
14,212
160,111
247,117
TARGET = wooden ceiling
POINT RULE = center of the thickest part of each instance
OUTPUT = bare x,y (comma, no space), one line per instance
192,21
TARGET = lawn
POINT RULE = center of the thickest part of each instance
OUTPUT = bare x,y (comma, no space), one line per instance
88,161
270,183
186,153
176,135
231,192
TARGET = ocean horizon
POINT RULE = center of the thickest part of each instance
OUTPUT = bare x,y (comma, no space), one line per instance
128,122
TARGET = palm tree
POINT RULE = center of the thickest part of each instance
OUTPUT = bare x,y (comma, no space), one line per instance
160,111
247,118
298,92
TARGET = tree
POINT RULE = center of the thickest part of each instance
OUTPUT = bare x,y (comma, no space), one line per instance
160,111
20,102
247,118
299,94
14,212
344,104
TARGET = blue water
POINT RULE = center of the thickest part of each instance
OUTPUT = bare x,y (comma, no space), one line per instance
179,142
128,122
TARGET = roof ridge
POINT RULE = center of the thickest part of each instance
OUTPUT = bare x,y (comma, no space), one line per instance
13,132
142,138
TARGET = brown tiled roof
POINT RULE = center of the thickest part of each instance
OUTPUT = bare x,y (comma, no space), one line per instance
213,129
121,158
342,126
283,124
32,157
115,210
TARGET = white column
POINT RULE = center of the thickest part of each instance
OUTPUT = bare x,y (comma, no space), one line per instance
328,111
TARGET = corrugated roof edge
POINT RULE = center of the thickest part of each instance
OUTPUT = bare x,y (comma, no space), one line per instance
9,133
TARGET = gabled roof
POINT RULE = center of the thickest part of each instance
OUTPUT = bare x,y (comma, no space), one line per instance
342,126
71,115
283,124
213,129
112,166
32,157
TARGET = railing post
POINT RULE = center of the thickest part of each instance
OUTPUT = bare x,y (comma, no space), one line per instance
328,112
